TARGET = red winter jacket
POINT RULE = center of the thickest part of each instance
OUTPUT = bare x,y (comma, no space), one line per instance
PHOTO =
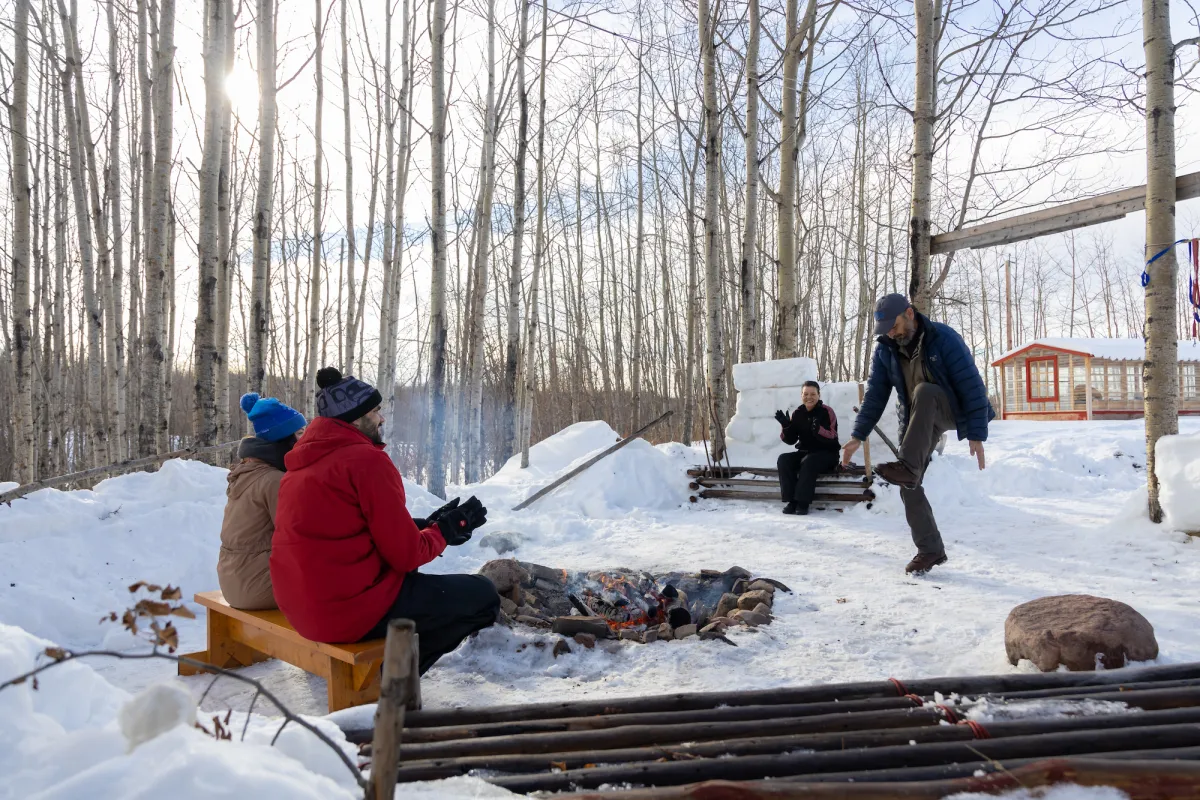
343,538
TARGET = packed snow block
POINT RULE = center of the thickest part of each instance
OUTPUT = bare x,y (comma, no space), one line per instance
781,372
843,399
1177,465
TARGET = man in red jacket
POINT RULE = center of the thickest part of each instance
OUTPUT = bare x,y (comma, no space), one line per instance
345,554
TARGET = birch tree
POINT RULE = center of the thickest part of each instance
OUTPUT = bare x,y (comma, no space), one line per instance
786,319
113,309
748,349
351,307
263,209
437,292
314,282
715,349
512,352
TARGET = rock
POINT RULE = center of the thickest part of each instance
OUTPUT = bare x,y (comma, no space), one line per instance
685,631
777,584
664,631
535,622
706,636
508,606
1078,630
751,618
678,616
569,626
714,627
750,599
529,611
561,648
727,603
740,585
502,541
630,635
737,572
762,608
554,576
588,640
761,586
649,635
505,573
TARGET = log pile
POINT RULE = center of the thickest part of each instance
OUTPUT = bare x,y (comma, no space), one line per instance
883,731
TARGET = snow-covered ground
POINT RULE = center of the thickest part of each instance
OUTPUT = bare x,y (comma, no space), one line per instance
1060,509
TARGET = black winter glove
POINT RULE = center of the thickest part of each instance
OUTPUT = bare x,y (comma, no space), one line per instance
421,523
436,515
783,418
458,523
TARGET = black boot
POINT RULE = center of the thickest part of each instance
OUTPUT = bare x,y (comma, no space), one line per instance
794,508
802,510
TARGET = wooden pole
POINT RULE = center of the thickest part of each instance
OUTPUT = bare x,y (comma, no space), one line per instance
1008,302
398,663
121,466
539,494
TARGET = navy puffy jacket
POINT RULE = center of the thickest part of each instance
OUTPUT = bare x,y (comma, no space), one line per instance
950,365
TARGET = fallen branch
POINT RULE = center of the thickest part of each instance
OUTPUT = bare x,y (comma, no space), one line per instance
540,493
121,466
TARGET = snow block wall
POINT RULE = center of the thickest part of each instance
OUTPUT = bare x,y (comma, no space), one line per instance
752,436
1178,467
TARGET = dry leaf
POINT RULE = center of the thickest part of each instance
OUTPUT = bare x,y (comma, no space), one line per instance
183,611
561,766
152,608
129,620
35,683
171,593
136,586
57,653
841,599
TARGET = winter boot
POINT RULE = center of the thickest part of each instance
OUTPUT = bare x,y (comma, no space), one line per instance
794,508
899,474
923,562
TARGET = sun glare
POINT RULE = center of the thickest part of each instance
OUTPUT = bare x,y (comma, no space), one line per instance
242,88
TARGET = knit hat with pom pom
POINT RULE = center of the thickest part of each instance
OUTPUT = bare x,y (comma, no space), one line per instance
272,420
345,398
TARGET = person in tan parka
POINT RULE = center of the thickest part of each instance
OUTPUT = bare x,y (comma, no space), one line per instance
244,565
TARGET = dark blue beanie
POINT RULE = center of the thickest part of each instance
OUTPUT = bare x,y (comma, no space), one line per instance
345,398
272,420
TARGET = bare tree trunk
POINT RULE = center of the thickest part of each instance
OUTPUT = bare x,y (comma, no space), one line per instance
207,246
24,463
1160,371
789,153
639,258
225,273
748,351
437,293
155,369
712,229
113,309
143,209
388,302
351,308
478,291
508,434
260,279
919,286
532,313
313,341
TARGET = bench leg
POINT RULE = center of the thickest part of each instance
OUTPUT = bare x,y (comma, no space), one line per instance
352,685
222,650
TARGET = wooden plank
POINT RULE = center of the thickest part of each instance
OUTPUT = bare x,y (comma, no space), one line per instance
1065,217
274,623
825,480
819,497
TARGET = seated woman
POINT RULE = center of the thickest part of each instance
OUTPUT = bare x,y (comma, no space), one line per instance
244,566
812,427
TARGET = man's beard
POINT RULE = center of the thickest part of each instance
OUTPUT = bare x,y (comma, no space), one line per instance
371,430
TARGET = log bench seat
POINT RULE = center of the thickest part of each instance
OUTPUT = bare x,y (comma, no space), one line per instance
239,638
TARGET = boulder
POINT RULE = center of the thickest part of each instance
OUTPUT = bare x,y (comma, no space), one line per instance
649,635
664,631
502,541
1080,631
588,640
717,627
750,599
727,603
762,608
761,585
629,635
561,648
533,622
508,606
505,573
751,618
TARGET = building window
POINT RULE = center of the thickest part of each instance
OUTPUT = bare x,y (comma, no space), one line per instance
1041,380
1187,382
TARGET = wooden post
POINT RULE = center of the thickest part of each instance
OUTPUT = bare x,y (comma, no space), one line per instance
399,662
1087,382
1008,302
867,441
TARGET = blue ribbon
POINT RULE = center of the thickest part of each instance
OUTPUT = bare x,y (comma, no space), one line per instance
1157,256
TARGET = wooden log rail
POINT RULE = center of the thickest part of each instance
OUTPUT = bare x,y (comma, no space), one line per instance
859,731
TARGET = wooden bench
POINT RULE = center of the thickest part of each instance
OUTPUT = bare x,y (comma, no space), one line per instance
239,638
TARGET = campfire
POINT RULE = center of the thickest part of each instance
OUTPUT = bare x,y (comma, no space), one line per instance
629,604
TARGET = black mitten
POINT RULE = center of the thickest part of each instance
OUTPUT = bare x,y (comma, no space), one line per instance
436,515
458,523
421,523
783,418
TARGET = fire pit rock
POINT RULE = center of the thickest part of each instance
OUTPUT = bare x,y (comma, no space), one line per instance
1078,630
630,605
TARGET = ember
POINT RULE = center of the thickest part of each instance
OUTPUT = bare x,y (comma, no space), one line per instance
631,604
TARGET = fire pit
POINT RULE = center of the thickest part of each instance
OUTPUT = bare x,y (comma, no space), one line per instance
631,604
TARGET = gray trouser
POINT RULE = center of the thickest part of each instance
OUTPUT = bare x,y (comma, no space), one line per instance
929,416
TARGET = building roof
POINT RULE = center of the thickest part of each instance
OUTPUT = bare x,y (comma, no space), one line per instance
1110,349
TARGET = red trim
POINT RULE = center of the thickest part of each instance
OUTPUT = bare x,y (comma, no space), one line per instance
1029,398
1002,359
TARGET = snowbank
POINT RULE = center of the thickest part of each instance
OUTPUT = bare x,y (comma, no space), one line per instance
63,739
1178,468
752,435
638,477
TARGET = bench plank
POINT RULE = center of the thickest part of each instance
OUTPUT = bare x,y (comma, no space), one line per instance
275,622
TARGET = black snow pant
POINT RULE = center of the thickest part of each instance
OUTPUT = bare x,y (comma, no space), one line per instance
446,610
929,417
798,473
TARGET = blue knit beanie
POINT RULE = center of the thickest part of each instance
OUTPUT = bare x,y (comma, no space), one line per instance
272,420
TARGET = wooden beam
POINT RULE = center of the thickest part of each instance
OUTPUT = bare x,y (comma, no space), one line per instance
1066,217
